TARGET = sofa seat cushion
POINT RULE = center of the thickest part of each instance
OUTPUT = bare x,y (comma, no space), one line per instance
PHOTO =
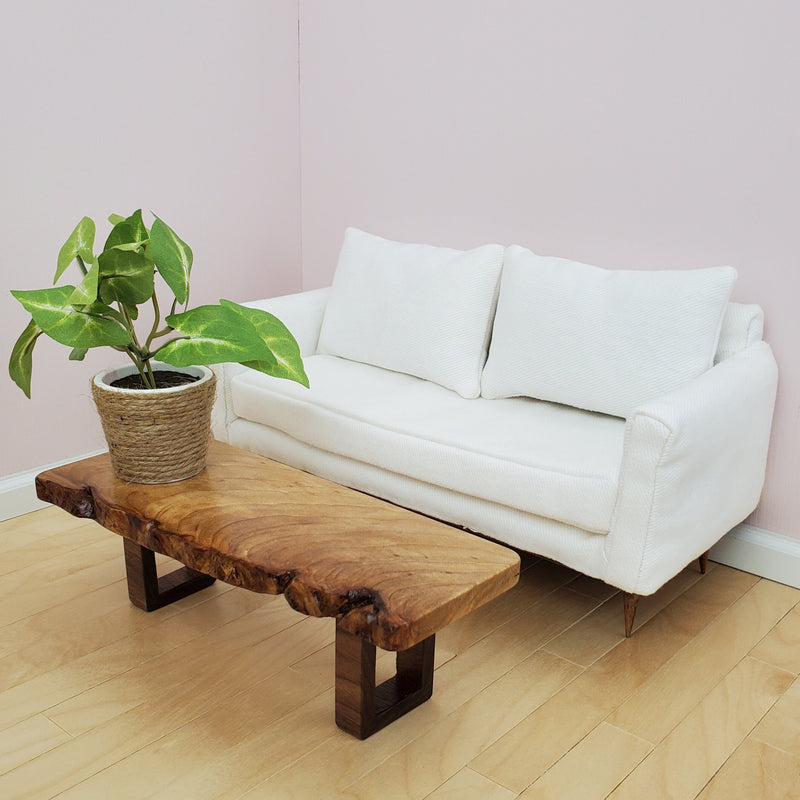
551,460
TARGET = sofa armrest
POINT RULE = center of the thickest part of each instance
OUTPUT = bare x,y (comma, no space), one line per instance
302,314
693,466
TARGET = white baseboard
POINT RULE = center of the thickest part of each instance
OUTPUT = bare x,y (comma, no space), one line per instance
18,491
761,552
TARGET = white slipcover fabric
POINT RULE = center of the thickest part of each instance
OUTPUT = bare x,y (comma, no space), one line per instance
567,544
694,466
534,456
691,466
422,310
598,339
686,480
742,325
302,314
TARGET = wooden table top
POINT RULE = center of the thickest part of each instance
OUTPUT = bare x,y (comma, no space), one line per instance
389,575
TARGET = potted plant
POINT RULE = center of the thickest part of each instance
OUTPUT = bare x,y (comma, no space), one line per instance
168,381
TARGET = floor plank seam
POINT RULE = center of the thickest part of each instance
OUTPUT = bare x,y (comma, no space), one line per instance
771,664
60,727
545,649
526,610
771,745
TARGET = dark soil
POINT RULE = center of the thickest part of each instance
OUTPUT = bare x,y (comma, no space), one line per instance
165,379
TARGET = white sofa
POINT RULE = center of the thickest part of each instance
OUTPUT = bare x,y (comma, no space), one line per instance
614,421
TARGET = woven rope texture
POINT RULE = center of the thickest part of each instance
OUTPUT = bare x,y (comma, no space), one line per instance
157,436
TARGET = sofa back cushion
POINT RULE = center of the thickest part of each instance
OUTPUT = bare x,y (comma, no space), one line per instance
742,326
598,339
422,310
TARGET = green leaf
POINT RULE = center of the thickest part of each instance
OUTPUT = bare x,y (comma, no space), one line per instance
115,218
128,231
20,365
46,306
78,353
102,310
80,243
284,347
125,276
53,313
86,293
173,258
135,247
213,334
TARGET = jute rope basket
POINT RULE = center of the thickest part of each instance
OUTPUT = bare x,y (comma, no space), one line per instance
156,435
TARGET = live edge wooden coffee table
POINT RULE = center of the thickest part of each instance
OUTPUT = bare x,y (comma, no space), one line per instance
390,577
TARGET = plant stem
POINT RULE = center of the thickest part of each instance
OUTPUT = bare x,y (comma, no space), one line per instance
156,322
139,356
151,378
159,334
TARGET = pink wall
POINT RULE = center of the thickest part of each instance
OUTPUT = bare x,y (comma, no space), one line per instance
622,134
189,109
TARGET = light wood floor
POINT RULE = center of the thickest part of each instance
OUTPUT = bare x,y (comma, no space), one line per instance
229,694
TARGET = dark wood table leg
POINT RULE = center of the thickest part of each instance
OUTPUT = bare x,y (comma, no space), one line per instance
149,592
363,708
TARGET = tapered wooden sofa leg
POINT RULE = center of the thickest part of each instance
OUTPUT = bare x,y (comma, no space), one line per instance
629,602
704,562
